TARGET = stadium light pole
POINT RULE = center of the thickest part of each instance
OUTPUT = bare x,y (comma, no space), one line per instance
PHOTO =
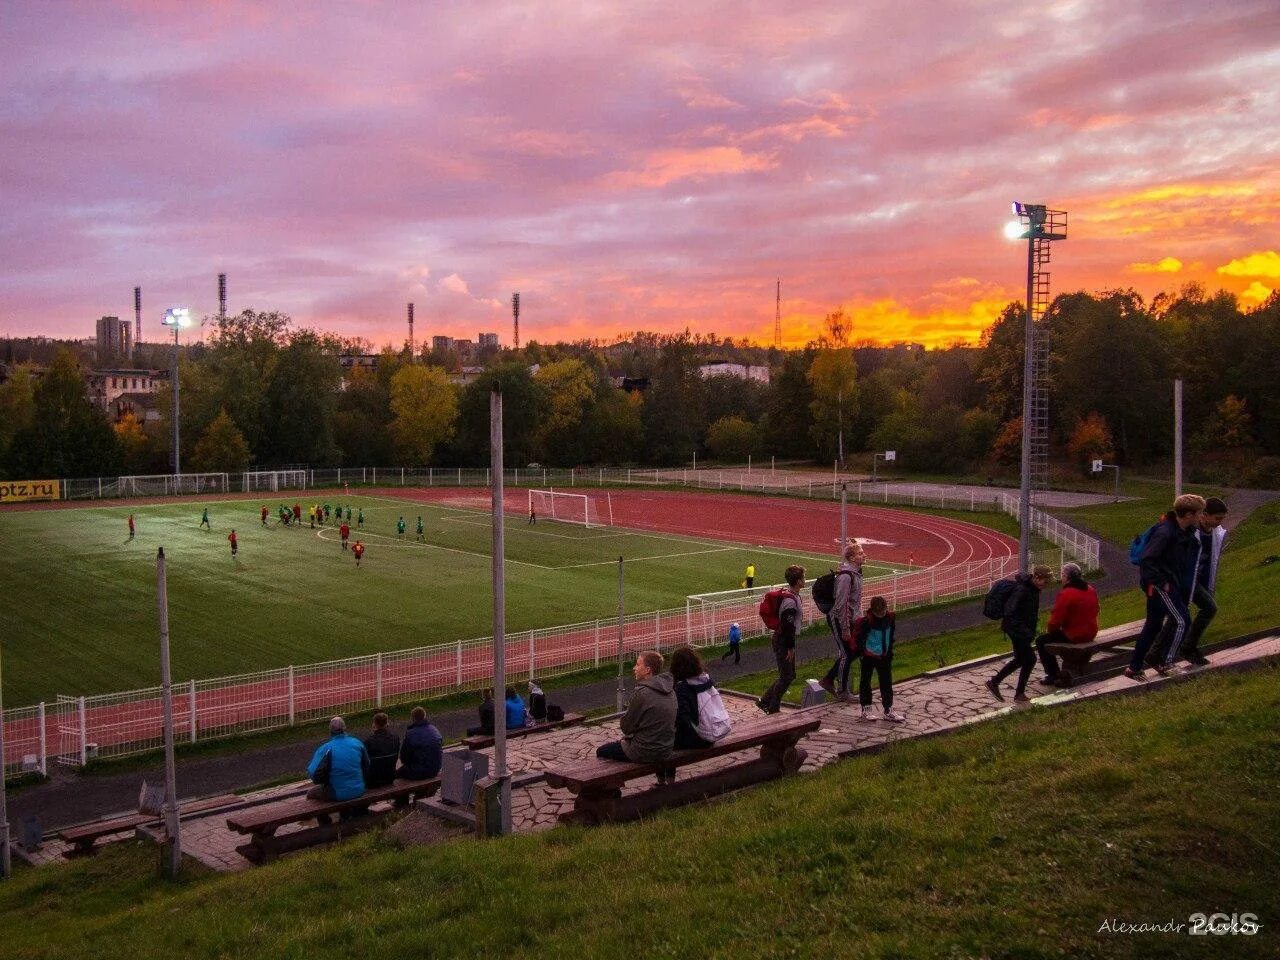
176,317
622,692
1177,438
499,615
166,696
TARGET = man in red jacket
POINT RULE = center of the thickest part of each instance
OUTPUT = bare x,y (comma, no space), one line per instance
1074,620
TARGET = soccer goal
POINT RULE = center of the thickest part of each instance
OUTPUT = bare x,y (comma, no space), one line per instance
589,510
255,480
164,485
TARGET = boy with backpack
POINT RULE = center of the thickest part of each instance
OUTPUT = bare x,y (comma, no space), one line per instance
874,635
1212,536
1168,555
838,594
1017,602
782,613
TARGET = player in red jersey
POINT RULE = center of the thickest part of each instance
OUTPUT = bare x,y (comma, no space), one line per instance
297,513
358,550
132,529
344,531
264,514
235,543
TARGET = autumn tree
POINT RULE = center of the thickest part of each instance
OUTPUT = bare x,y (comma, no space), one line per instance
17,406
833,377
732,440
1090,440
68,436
568,387
222,448
135,446
425,409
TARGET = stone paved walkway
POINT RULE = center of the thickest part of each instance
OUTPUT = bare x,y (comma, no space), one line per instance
935,702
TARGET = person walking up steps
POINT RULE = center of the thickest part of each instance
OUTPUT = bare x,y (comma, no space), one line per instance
1021,613
1167,572
874,636
735,644
1212,537
844,610
204,519
782,613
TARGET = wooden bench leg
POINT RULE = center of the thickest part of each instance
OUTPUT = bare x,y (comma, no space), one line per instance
596,806
787,756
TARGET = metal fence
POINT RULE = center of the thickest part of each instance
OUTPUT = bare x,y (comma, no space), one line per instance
76,730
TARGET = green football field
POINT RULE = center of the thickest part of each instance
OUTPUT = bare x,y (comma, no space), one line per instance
80,603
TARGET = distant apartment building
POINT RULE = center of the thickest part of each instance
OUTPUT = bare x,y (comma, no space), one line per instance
362,361
488,340
441,344
115,339
741,370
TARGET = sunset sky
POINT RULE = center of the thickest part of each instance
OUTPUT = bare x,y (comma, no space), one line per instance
627,166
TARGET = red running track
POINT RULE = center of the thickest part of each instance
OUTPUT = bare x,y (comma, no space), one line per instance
776,522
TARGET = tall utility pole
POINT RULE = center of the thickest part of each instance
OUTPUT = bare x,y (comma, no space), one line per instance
166,695
1039,226
622,690
176,317
844,517
777,319
499,612
222,297
1177,437
6,865
411,353
137,316
515,319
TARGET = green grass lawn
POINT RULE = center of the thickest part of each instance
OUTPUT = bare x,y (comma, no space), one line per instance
1017,838
82,614
1121,522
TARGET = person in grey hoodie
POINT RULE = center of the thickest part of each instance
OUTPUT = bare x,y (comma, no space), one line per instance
845,612
649,725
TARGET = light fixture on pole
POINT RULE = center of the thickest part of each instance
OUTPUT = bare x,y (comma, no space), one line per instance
177,318
1039,226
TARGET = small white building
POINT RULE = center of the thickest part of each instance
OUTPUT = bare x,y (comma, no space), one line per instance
107,386
740,370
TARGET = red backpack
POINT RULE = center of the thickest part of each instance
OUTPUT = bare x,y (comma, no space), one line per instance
769,606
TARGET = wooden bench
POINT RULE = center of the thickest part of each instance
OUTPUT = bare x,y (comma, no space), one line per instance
597,784
84,837
261,823
1075,657
481,741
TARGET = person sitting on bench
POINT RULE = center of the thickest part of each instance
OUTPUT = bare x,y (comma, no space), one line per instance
517,716
486,718
384,748
422,750
649,725
701,718
339,766
1074,620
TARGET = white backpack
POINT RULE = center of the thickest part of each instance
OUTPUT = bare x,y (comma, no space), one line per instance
713,719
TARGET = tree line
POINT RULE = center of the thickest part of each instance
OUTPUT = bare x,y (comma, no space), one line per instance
260,394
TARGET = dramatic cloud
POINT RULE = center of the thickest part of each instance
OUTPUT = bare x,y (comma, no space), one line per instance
627,167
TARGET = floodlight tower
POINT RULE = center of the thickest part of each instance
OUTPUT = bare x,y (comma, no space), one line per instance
137,315
1039,226
777,319
176,317
411,333
222,298
515,318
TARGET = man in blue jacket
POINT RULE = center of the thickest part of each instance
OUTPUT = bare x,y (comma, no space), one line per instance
339,765
1167,574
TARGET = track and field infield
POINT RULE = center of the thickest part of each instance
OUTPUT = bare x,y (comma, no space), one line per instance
80,594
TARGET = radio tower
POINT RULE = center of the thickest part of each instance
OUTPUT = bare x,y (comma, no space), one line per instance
411,333
222,297
137,315
515,316
777,320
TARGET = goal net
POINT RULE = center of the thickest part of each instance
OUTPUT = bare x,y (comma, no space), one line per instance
164,485
589,510
275,480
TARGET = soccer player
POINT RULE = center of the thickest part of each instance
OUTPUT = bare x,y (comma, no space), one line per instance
400,527
326,513
235,544
344,531
751,575
348,513
264,514
533,514
204,519
297,513
358,550
360,518
311,513
132,529
421,538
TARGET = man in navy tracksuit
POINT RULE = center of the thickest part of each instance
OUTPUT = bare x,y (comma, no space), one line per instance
1167,574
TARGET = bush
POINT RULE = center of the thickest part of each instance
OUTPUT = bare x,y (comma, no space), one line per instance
1265,474
732,439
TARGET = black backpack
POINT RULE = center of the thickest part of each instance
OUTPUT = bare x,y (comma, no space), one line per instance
997,598
824,590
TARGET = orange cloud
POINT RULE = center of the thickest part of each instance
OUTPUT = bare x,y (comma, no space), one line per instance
1264,263
1256,292
668,166
1167,265
1192,209
891,321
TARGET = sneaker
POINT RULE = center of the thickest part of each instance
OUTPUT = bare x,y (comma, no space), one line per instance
893,716
1048,681
826,684
868,716
1133,674
1021,698
761,704
994,687
1196,658
843,696
1164,669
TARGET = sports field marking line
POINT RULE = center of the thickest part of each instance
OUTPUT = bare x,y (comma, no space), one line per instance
661,556
320,534
465,517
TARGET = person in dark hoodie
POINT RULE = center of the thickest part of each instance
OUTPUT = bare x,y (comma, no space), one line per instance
873,634
383,747
486,717
1074,620
649,725
1167,574
1212,536
790,621
694,731
421,751
1021,613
